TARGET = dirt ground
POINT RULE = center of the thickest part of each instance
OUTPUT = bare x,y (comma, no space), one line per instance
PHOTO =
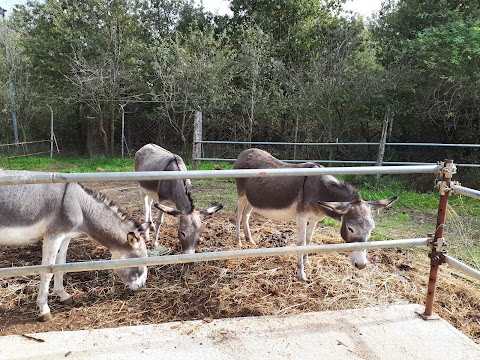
233,288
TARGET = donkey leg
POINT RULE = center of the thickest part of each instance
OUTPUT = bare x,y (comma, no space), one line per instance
148,212
247,211
58,288
50,248
302,222
311,225
241,203
158,223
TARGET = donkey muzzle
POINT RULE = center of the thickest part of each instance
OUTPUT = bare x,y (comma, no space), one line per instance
359,259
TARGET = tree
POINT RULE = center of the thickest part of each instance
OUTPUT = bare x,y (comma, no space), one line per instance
192,73
87,54
106,73
446,60
437,43
295,25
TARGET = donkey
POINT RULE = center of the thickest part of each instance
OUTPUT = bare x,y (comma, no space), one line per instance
307,199
170,193
58,212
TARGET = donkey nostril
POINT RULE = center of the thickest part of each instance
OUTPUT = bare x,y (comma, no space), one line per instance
361,266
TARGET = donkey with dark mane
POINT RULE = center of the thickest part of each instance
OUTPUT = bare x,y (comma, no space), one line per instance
169,193
55,213
307,199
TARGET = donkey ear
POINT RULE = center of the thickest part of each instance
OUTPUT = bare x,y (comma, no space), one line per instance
211,210
381,204
133,240
167,209
337,207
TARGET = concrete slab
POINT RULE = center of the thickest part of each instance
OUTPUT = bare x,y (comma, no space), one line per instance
394,332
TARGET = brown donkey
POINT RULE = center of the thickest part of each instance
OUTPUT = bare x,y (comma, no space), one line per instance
307,199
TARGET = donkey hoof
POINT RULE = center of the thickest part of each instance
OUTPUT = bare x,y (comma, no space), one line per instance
302,277
68,301
45,317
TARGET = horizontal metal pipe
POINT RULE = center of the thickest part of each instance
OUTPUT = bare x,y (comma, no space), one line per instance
462,267
42,178
361,162
26,143
335,143
465,191
208,256
365,162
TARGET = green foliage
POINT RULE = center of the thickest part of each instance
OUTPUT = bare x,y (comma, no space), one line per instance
273,71
437,45
72,164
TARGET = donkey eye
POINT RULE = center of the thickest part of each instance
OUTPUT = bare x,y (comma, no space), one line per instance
182,234
350,229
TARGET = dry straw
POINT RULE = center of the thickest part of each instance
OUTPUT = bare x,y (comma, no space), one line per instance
233,288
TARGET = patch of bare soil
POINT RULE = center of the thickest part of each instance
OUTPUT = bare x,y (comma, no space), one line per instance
233,288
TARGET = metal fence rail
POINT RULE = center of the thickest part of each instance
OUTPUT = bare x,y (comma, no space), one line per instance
457,189
462,267
207,256
335,143
198,144
437,255
42,178
351,162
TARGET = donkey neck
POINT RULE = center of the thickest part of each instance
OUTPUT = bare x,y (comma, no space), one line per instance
329,188
104,222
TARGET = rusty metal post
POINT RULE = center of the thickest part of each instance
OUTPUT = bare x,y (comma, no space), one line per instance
437,253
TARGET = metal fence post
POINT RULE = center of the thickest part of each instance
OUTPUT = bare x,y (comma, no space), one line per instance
437,253
197,137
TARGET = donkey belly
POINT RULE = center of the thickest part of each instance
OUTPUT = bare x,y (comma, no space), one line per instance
23,235
154,196
151,194
283,214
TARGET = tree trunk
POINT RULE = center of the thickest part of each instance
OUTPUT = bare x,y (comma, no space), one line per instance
111,152
103,135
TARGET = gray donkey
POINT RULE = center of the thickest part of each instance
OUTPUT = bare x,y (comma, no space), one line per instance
308,199
169,193
58,212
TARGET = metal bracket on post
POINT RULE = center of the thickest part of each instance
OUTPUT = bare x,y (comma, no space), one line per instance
446,173
452,190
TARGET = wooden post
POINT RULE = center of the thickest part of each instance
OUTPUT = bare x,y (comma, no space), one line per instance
383,139
51,131
197,137
122,107
296,139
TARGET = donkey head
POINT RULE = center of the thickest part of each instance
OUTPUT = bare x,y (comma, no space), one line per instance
189,225
357,223
134,247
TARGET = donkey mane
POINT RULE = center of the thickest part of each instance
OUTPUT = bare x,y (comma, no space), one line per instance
342,191
102,198
187,191
189,195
